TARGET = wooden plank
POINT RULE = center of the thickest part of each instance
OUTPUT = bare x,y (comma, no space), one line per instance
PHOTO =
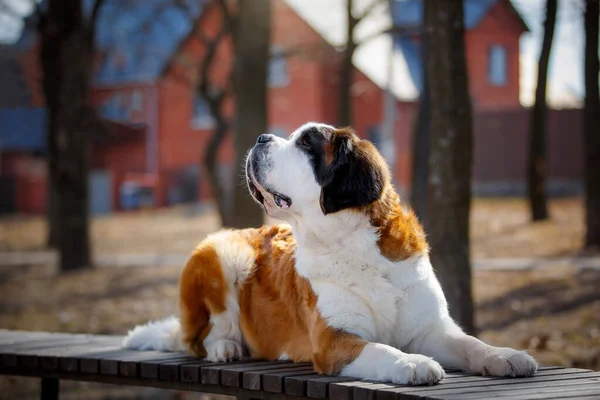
53,362
577,393
477,381
212,375
294,385
191,373
345,390
72,362
290,383
318,388
111,365
368,392
254,380
48,358
297,385
150,369
10,357
240,377
528,388
90,363
171,371
12,340
502,384
131,366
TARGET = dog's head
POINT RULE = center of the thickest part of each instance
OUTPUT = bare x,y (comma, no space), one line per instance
318,168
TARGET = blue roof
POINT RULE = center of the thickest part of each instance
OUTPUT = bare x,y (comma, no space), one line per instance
22,129
410,12
135,39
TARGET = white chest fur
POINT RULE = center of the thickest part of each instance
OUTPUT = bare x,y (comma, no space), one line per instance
364,293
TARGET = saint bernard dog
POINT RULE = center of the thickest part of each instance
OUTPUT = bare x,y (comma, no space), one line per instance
347,285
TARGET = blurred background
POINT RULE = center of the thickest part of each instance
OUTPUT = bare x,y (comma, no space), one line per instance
124,124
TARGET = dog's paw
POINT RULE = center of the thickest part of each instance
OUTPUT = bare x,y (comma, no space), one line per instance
503,361
416,369
224,350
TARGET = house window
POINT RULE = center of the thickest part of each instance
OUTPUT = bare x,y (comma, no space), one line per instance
497,74
114,109
278,69
137,100
201,116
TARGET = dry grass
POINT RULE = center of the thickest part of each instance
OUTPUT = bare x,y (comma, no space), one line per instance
500,228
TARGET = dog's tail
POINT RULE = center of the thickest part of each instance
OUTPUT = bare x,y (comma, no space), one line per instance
161,335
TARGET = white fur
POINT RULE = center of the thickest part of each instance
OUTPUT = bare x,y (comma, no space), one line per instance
224,341
163,335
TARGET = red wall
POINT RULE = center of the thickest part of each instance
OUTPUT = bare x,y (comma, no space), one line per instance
498,27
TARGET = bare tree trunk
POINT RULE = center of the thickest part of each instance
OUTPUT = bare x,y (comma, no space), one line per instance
420,166
536,166
347,69
450,156
592,127
210,162
66,52
252,43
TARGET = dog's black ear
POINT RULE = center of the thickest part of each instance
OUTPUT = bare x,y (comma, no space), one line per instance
355,177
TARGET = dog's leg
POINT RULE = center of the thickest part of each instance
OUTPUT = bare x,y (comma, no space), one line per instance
339,352
209,308
453,348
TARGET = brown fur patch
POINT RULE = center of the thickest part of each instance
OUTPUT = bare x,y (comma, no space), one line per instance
400,233
278,312
333,349
202,292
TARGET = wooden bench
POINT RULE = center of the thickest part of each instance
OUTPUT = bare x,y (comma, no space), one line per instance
97,358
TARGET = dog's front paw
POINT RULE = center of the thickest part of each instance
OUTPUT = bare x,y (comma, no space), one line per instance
416,369
224,350
503,361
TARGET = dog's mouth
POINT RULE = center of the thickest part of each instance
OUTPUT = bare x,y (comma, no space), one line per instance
265,196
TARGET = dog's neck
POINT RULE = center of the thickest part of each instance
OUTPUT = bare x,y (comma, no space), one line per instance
384,225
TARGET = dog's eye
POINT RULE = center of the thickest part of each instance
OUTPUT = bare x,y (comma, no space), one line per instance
303,141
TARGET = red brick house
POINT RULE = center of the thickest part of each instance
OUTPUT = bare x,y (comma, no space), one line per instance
146,77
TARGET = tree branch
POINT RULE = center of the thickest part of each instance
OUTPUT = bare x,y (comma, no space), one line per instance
95,11
395,30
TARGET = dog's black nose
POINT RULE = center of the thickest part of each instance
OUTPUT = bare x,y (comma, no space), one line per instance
264,138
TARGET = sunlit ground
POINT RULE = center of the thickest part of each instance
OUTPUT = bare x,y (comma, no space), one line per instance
500,228
553,311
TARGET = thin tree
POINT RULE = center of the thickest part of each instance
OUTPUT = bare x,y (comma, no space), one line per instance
450,156
420,166
347,67
252,46
536,165
592,127
66,51
215,97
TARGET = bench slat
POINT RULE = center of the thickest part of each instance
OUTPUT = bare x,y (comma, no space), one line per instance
101,358
212,374
254,380
528,388
446,387
149,369
318,388
238,377
191,373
